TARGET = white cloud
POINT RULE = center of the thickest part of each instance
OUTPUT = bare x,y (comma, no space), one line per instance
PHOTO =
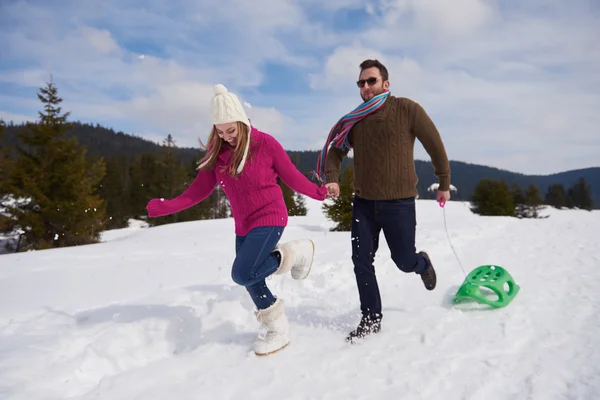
452,17
100,39
272,121
341,69
429,21
27,77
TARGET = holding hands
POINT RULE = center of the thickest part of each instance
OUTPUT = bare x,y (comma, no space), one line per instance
333,190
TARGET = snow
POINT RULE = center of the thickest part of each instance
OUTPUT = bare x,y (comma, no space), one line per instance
133,227
152,313
10,201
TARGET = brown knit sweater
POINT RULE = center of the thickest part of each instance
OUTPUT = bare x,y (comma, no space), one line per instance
383,144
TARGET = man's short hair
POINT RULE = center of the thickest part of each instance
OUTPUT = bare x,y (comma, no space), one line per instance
375,63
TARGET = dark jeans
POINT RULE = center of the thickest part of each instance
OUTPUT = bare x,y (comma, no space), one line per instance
255,261
397,219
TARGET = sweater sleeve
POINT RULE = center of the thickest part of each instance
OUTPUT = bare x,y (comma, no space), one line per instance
424,129
290,175
202,186
333,164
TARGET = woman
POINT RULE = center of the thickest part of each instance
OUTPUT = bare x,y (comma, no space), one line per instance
246,163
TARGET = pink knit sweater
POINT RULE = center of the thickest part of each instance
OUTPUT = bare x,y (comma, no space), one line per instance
255,197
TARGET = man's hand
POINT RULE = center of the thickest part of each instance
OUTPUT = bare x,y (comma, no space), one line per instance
333,189
443,196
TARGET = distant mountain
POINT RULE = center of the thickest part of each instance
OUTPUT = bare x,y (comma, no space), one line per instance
106,142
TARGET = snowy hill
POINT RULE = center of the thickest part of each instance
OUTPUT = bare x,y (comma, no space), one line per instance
153,314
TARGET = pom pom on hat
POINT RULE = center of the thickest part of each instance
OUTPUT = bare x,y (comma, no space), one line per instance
226,107
220,89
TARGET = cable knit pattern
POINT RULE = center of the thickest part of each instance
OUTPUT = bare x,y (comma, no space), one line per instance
383,144
255,197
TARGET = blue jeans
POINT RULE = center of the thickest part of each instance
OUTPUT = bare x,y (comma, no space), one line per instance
255,261
397,219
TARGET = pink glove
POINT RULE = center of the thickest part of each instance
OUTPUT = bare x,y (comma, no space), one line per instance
158,208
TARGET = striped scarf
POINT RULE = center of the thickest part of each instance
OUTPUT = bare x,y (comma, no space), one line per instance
338,135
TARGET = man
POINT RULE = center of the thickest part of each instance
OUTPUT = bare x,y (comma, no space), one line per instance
382,133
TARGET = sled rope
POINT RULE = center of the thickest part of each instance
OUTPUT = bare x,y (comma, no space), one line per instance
448,237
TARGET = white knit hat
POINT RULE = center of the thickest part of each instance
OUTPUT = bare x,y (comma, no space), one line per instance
226,107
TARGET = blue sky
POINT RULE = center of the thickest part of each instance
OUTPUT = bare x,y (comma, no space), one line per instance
514,85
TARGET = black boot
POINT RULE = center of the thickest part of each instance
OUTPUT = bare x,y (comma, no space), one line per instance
369,323
428,276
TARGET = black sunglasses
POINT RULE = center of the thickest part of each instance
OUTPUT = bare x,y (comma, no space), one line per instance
370,81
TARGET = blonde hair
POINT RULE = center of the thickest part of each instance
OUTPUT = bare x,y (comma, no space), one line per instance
215,143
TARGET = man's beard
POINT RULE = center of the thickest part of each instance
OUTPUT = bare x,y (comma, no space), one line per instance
374,93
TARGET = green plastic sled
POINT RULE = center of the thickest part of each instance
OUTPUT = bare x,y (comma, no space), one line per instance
492,277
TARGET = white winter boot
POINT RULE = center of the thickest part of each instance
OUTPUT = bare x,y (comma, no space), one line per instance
274,320
297,257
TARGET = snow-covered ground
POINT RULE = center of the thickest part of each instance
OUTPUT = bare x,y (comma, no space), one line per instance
152,313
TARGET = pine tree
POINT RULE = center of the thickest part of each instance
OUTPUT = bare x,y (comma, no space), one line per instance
519,200
146,183
173,171
300,208
492,198
581,195
114,190
341,209
533,202
556,196
171,178
58,182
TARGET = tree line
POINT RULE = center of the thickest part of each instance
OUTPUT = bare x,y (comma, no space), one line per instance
54,194
496,197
